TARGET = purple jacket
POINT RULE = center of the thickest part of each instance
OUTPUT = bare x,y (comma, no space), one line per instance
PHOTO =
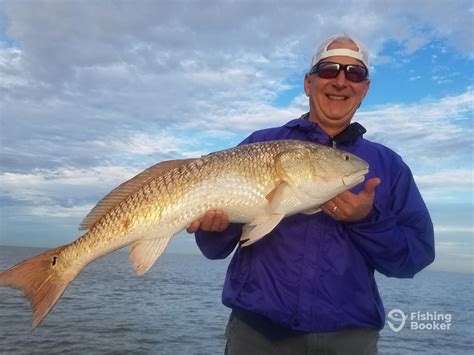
315,274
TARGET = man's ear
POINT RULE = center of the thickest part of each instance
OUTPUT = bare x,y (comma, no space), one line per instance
307,84
366,89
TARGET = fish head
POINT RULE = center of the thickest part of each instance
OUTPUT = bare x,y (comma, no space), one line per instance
334,171
320,172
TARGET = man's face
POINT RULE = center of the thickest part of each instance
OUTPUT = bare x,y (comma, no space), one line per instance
333,102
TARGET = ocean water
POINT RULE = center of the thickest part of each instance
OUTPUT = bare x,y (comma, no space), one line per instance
175,308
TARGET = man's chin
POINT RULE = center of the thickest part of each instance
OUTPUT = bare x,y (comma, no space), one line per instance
339,114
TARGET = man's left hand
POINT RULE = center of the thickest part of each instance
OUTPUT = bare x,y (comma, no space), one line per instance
350,207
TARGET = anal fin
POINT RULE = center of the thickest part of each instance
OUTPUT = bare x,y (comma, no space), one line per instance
145,253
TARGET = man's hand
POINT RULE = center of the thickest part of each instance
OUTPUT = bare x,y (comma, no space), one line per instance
349,207
213,221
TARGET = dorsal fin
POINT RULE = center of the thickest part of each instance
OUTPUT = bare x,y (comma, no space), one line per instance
121,192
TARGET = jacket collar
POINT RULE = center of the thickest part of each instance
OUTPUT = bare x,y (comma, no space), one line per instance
347,137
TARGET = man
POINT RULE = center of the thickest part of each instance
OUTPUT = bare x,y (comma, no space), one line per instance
309,287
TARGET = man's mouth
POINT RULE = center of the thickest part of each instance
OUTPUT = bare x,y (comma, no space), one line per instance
336,97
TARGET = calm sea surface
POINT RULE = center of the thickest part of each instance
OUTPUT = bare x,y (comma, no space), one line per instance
175,308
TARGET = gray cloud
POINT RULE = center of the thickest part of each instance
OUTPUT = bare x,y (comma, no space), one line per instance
78,77
91,92
429,134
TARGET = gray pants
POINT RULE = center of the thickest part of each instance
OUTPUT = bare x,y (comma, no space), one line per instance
242,339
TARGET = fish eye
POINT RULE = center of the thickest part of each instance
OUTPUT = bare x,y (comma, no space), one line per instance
345,157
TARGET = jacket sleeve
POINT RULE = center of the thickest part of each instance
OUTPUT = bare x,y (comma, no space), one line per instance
218,245
397,238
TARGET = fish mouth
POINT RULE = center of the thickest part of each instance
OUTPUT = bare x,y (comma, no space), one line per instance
355,178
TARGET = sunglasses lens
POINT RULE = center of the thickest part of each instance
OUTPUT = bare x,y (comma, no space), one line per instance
356,73
327,70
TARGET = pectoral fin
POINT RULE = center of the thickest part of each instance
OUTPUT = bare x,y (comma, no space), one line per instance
259,228
312,211
280,197
286,199
145,253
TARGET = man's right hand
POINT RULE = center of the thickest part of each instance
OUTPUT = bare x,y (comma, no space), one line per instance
213,221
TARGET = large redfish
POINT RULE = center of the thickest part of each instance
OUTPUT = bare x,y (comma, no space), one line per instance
255,184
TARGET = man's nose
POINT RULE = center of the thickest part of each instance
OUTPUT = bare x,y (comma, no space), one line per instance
340,80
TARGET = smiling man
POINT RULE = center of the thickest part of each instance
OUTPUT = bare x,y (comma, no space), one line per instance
333,102
309,286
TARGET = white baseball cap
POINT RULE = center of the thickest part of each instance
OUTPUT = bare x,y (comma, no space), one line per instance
322,52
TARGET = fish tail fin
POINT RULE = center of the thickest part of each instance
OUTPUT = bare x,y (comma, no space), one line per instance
42,280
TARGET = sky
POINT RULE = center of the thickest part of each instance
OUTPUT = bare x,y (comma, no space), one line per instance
93,92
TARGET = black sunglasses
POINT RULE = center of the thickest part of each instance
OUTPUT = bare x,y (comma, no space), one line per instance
330,70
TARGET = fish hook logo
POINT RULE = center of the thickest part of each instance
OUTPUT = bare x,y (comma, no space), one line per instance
396,315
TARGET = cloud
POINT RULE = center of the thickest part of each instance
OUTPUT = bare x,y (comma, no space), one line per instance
454,229
134,40
93,92
460,179
439,125
427,133
62,187
70,91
